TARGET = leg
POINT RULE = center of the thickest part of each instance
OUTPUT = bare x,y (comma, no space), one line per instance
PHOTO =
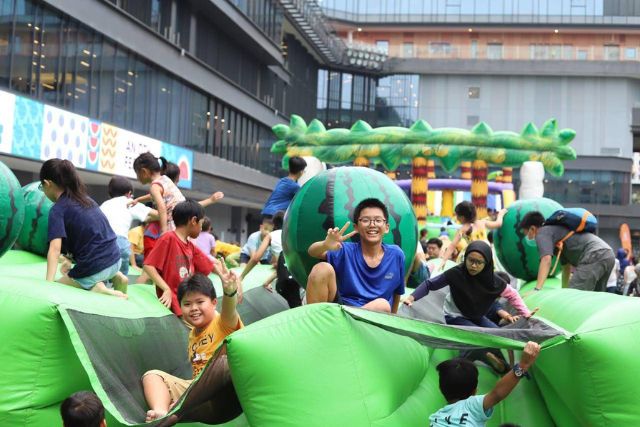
321,285
378,304
66,280
157,395
102,289
120,282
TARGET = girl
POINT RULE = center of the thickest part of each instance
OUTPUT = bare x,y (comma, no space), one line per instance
205,241
472,228
77,224
163,190
473,288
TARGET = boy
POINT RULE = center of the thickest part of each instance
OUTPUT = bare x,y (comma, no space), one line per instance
433,248
175,258
459,382
286,188
82,409
590,255
250,248
198,301
120,216
367,274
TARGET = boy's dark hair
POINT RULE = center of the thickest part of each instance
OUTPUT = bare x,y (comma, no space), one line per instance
531,218
458,378
435,241
267,220
370,203
206,224
278,220
296,165
172,171
151,162
423,232
466,210
119,186
198,283
186,210
64,175
82,409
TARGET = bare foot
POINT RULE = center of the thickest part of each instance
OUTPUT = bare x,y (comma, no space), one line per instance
154,415
120,294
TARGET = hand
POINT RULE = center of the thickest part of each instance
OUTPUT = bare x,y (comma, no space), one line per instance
408,301
231,282
529,354
534,311
165,298
132,202
511,319
268,287
216,197
336,236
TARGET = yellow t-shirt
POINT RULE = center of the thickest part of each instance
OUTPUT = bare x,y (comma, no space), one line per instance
226,249
204,344
136,238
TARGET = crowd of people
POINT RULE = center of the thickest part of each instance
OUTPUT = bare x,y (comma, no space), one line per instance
95,246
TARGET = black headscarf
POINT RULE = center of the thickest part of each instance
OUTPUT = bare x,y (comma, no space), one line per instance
473,295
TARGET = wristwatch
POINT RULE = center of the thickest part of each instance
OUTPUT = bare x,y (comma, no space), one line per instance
518,371
231,294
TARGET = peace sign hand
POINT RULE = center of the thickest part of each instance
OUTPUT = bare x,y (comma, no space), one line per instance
335,237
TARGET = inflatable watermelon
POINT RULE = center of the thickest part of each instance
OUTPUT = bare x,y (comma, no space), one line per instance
329,199
520,257
11,208
33,236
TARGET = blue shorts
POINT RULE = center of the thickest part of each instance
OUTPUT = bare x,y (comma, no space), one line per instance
87,283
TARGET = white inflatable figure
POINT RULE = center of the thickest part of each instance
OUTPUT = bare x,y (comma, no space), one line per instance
314,167
531,181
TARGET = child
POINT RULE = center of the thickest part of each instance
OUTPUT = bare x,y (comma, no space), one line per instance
136,238
459,383
198,301
175,258
286,188
205,241
250,249
120,216
78,226
272,242
82,409
163,191
472,228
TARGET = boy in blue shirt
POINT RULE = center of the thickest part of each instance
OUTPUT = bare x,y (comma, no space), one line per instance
368,274
459,383
286,188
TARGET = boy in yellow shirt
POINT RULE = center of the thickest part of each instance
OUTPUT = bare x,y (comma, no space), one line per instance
198,303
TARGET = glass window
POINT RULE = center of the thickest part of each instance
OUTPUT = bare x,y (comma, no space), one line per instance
141,88
50,53
345,98
85,62
582,54
383,45
473,93
121,88
25,47
322,89
630,53
611,52
407,50
439,49
494,51
474,49
6,18
107,77
567,51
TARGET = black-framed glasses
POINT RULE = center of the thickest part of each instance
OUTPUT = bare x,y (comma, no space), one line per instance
476,262
376,221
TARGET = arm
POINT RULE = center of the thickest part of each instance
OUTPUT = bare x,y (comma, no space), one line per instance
566,274
214,198
152,272
156,193
256,256
508,382
267,283
230,286
543,271
142,199
153,215
55,246
516,301
432,284
492,225
452,246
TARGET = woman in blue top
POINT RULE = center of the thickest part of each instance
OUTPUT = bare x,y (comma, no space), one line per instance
79,229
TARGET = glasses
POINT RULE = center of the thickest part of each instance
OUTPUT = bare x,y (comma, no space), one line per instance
376,221
476,262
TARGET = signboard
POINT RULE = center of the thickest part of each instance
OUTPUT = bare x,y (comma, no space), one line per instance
33,130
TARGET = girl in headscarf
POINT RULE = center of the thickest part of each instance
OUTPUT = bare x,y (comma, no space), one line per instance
473,289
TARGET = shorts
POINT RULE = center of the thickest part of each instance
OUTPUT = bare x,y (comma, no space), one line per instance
124,246
244,259
176,386
87,283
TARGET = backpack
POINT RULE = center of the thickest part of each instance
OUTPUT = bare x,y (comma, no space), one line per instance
576,220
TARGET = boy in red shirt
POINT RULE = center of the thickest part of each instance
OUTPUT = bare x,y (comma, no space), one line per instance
174,258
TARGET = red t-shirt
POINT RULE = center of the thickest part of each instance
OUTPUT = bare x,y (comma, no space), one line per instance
176,260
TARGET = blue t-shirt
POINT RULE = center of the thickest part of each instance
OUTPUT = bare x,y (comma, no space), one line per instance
467,413
85,234
358,283
281,196
253,244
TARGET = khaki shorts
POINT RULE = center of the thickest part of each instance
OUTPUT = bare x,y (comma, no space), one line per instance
177,386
